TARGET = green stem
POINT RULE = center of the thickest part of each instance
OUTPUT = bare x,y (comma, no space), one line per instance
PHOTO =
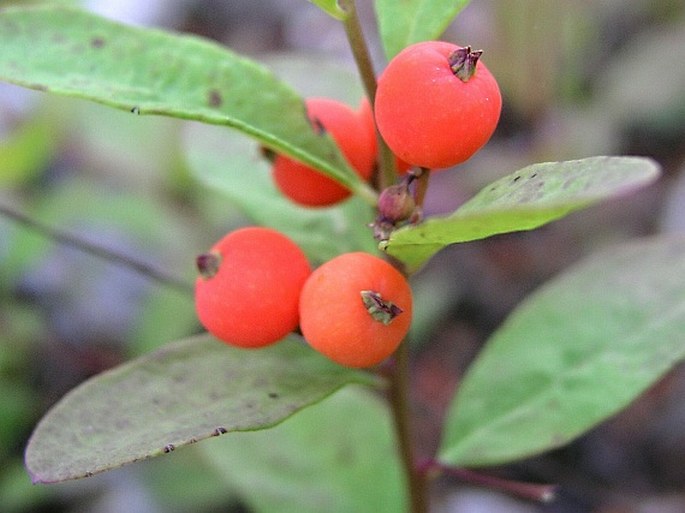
388,168
360,52
399,403
399,376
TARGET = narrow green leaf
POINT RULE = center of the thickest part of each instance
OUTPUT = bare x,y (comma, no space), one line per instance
145,71
331,7
411,21
188,391
337,456
524,200
233,166
576,352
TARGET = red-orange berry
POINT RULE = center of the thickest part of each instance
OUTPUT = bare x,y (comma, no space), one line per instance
355,309
249,286
307,186
436,104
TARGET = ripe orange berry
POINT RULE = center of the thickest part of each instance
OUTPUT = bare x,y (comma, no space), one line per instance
355,309
436,104
249,286
305,185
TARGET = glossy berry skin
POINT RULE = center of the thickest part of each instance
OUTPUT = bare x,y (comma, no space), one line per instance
249,286
334,319
308,187
429,116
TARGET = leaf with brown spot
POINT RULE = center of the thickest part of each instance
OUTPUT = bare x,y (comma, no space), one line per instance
529,198
146,71
188,391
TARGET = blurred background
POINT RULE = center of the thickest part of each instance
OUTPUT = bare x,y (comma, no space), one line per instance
591,77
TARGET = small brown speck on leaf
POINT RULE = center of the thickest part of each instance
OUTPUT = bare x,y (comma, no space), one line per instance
97,42
214,98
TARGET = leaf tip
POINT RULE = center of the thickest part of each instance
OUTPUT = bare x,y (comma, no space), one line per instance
35,478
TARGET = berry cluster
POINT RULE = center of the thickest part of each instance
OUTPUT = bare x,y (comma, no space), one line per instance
435,106
256,286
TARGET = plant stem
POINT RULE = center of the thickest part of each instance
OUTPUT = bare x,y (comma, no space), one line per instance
528,491
362,58
75,241
387,164
360,51
399,403
422,177
399,375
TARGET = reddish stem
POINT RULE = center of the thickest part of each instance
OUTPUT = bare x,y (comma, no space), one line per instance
399,404
529,491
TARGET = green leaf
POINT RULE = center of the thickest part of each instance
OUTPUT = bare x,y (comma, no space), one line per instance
186,482
27,150
411,21
576,352
524,200
146,71
188,391
233,166
331,7
337,456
